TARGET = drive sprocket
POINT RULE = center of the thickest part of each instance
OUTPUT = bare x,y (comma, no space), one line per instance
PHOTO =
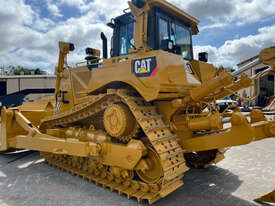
119,122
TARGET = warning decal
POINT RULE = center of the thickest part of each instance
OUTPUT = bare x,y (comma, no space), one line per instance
145,67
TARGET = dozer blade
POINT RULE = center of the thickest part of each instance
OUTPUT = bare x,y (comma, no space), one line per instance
269,197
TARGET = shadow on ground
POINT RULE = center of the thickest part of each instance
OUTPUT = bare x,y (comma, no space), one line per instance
25,179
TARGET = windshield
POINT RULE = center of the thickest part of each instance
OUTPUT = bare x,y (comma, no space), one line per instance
181,36
178,32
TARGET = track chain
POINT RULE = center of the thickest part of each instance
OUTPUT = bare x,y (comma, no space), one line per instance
95,172
159,135
80,112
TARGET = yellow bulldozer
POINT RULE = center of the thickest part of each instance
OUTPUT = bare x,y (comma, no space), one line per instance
136,121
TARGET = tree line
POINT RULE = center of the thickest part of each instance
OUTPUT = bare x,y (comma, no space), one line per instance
18,70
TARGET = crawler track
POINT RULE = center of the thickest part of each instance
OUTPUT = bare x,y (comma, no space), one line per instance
159,137
95,172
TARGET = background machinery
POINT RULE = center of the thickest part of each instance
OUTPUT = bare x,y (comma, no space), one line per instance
135,122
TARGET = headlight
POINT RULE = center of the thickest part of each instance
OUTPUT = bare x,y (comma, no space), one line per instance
203,56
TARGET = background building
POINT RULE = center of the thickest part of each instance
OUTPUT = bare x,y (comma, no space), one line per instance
267,86
19,89
17,83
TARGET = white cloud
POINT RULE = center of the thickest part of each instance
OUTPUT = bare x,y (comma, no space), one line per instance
76,3
234,51
212,26
30,40
42,24
238,12
54,10
13,16
9,10
107,8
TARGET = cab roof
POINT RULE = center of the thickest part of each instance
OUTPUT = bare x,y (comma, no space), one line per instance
177,12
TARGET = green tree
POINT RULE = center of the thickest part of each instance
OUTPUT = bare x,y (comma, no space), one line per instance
17,70
230,69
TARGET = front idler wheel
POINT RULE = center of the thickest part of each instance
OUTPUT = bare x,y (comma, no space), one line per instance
155,171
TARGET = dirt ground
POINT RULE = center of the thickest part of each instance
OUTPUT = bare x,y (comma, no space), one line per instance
247,171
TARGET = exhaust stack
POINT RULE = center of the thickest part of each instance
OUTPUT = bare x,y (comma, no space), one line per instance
104,45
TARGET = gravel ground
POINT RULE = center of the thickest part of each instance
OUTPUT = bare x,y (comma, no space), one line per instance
247,171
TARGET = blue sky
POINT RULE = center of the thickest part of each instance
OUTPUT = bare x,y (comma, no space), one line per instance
230,31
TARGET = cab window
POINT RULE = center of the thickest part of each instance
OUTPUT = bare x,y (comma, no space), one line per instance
169,27
163,30
183,39
126,38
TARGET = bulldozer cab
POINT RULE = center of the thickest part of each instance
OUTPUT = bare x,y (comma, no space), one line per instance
166,30
123,35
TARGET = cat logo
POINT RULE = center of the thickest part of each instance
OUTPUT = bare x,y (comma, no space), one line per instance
188,67
145,67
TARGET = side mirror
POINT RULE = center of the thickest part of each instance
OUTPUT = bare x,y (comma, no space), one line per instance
111,25
203,56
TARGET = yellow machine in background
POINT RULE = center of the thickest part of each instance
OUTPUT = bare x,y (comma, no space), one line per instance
135,122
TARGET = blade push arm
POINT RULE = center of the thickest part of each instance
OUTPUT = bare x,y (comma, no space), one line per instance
64,49
242,132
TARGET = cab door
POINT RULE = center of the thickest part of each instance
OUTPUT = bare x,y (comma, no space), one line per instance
123,37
